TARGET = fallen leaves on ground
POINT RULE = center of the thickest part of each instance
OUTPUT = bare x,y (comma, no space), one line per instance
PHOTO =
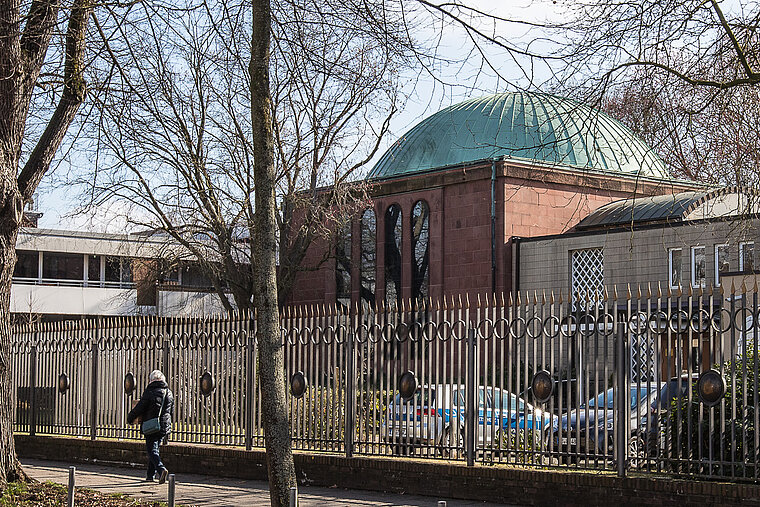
36,494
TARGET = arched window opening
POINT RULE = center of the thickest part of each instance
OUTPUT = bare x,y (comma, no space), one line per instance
368,256
393,227
420,252
343,267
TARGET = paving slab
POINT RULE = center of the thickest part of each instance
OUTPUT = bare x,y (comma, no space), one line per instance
203,490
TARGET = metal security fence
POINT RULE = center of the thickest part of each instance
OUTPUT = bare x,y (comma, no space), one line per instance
631,380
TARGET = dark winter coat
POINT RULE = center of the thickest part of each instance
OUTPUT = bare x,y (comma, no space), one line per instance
150,403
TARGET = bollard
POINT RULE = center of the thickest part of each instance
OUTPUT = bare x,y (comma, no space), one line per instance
171,490
70,502
293,497
441,503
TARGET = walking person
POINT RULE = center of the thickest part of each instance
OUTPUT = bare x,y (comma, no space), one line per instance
154,411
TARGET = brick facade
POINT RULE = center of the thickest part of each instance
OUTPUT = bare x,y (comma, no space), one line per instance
530,200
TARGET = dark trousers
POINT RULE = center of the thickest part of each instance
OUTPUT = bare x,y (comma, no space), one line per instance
154,458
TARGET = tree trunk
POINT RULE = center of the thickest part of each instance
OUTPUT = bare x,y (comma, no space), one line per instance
10,468
271,358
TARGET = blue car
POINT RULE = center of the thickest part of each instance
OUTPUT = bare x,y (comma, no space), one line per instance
436,416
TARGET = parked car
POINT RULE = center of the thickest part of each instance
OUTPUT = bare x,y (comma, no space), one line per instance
436,416
589,429
654,434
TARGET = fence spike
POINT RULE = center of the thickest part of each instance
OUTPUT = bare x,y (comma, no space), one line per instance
710,289
744,286
466,300
551,297
559,293
535,297
519,299
543,297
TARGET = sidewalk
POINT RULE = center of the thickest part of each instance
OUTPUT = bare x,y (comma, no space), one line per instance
211,491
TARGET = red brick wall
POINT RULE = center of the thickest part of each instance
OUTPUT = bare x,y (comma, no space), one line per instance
530,201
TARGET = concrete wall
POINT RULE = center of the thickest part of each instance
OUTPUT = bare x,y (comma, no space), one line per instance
59,300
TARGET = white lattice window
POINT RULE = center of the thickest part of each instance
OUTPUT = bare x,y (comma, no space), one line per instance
587,273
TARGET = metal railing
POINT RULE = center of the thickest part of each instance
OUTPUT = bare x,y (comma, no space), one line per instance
646,381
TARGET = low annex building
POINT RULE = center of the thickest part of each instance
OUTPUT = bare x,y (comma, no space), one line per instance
450,194
70,274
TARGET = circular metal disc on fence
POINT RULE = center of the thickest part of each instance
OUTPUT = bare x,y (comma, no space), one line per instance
711,387
542,386
407,385
298,384
129,383
63,383
207,384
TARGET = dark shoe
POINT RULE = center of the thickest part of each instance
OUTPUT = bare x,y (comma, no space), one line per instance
150,479
162,477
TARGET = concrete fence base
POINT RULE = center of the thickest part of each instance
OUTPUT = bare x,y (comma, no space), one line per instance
498,484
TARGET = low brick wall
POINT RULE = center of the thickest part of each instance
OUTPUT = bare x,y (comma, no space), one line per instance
498,484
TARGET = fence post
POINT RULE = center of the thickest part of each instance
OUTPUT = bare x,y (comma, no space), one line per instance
94,392
72,487
171,495
471,414
33,388
620,397
350,402
250,371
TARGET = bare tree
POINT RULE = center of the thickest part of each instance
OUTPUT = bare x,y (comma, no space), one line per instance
695,42
702,135
26,31
244,162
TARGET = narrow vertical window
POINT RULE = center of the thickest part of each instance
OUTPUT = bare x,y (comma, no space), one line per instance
368,256
93,268
674,267
420,251
747,256
721,262
343,267
393,228
698,275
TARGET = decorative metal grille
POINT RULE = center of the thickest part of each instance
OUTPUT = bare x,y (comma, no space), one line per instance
643,359
587,273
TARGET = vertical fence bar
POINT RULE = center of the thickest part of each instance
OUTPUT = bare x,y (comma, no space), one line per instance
472,403
619,397
33,388
94,391
250,370
350,402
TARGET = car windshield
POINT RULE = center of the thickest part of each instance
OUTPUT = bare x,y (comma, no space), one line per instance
671,391
605,399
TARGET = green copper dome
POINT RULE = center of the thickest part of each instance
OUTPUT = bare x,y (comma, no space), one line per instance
524,126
